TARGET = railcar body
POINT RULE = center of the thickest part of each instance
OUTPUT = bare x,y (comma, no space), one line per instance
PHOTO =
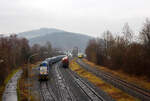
44,67
65,62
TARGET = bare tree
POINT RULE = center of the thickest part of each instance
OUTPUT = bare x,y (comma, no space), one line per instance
145,33
128,33
121,52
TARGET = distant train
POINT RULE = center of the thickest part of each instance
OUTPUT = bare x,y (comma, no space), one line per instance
65,62
45,66
80,55
53,60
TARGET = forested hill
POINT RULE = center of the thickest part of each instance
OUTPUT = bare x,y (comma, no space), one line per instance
58,38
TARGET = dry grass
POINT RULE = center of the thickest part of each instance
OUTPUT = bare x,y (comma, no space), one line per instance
22,89
115,93
22,84
141,81
2,88
35,64
23,93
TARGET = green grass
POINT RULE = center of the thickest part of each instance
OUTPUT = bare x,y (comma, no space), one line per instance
10,75
2,87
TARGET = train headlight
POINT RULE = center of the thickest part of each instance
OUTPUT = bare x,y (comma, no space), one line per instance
45,72
41,72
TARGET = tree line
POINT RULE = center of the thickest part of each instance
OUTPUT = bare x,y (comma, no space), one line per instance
129,52
14,52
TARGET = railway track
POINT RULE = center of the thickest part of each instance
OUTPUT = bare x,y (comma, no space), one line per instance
64,90
46,92
89,91
132,89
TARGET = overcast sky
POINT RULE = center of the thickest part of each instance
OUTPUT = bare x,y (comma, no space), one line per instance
90,17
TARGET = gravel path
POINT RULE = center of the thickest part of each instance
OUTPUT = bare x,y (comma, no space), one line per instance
10,93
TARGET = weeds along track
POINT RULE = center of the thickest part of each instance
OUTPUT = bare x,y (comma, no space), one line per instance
64,90
89,91
46,92
132,89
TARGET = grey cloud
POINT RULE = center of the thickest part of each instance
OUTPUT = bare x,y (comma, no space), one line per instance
86,16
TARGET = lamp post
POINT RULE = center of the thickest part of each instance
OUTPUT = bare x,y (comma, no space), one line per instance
28,65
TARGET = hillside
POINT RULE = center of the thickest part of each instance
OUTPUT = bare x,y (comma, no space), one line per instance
38,32
58,38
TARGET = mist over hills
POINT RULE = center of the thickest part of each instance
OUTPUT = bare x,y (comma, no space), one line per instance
58,38
38,32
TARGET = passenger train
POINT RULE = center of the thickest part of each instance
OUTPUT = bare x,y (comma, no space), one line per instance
45,66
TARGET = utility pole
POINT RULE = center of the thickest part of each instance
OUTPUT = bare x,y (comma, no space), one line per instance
29,72
28,64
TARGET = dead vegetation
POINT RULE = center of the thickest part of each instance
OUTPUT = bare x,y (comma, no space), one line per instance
141,81
2,87
115,93
15,52
126,52
23,86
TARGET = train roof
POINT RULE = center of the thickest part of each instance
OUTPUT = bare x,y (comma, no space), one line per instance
44,62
